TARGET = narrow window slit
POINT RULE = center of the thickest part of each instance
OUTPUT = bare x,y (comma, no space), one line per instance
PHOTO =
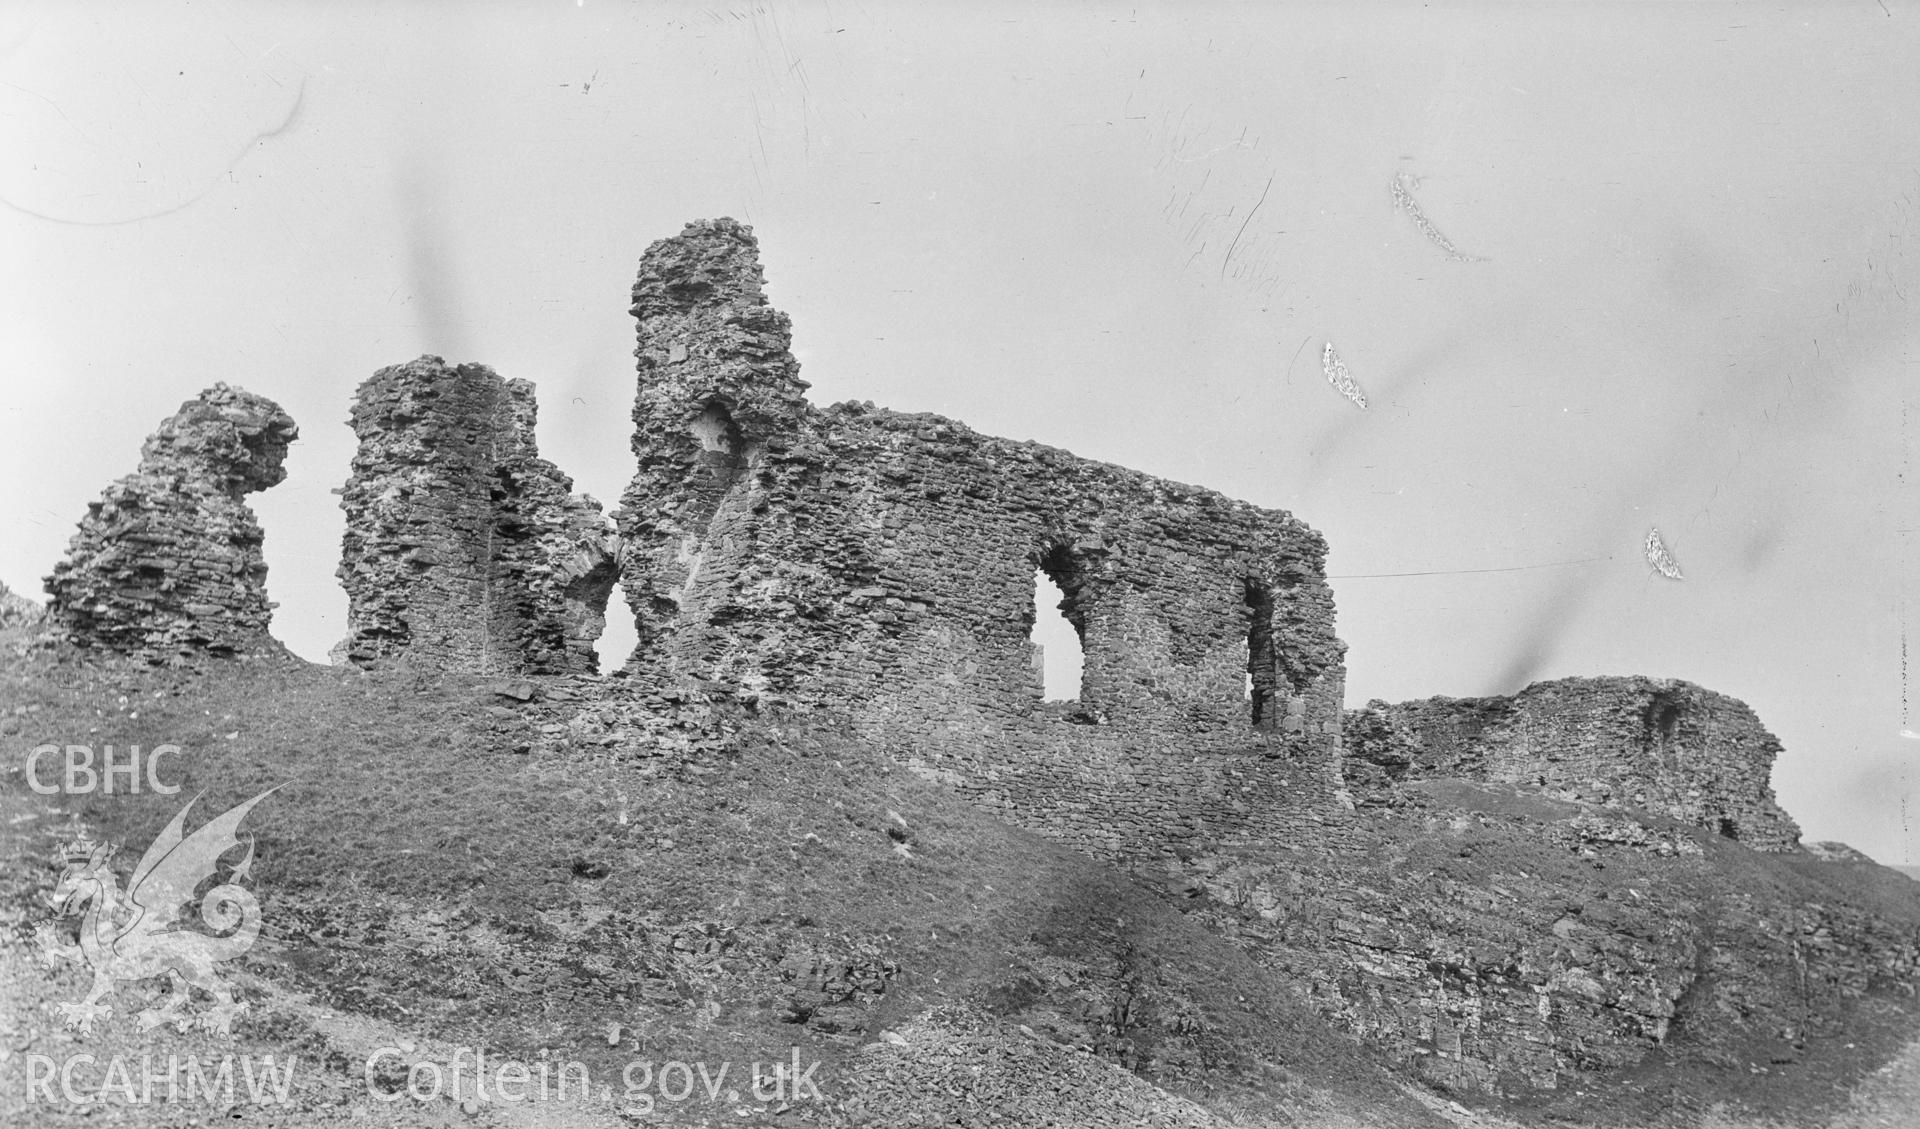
1057,642
1263,673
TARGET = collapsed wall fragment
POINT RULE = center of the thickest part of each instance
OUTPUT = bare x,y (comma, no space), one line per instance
464,549
167,563
1660,744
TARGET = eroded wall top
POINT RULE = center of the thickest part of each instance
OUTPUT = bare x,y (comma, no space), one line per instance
167,564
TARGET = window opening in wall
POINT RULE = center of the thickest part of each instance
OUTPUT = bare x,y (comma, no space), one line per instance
1263,674
616,643
722,448
1056,642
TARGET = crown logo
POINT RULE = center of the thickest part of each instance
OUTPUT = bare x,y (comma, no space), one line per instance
85,849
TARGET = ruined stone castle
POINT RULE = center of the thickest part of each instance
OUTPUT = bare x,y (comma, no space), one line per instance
873,564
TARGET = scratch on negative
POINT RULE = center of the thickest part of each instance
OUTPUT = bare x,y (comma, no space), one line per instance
1296,356
286,123
1243,229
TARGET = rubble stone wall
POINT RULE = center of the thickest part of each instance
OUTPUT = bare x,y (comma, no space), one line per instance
464,549
167,564
1655,743
883,564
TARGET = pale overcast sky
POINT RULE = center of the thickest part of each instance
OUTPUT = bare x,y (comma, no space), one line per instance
1679,298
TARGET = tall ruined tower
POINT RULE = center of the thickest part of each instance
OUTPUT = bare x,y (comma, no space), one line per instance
465,550
717,386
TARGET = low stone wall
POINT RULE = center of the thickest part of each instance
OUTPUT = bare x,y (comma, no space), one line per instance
1655,743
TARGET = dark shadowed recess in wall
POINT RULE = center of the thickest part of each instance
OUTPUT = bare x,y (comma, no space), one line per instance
1263,673
723,451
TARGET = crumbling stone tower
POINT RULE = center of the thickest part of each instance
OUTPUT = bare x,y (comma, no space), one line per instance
167,563
464,549
717,386
883,564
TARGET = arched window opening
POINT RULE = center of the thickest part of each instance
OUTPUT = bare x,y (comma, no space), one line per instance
721,459
1057,646
1263,669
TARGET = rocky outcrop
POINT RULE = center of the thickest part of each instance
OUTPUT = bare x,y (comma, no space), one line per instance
464,549
167,563
883,565
1654,743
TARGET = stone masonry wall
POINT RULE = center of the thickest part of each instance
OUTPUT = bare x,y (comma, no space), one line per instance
167,563
464,549
883,564
1655,743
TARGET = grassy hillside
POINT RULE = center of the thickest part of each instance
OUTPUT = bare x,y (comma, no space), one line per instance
698,898
589,870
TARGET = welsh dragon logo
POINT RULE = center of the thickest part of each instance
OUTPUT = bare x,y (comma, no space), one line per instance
146,934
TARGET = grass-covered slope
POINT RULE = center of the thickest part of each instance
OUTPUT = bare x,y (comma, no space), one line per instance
584,870
561,880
